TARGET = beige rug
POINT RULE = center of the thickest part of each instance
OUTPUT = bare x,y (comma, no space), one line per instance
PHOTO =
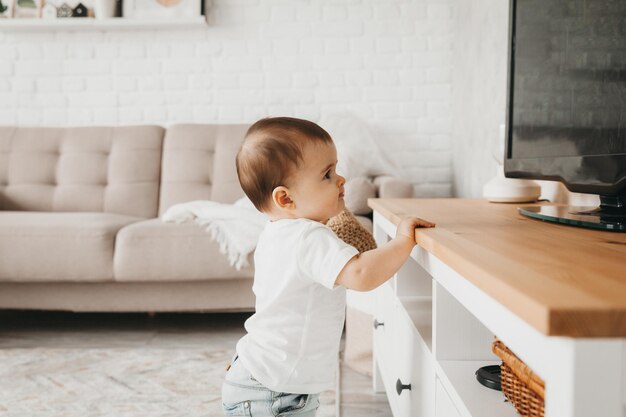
116,382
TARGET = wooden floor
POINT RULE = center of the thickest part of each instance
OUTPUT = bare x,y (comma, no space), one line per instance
59,330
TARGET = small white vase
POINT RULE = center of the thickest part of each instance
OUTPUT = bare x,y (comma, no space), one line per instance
104,9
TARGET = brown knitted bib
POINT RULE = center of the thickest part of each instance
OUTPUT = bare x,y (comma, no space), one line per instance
348,228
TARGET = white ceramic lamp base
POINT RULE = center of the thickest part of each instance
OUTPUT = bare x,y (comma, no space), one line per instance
510,190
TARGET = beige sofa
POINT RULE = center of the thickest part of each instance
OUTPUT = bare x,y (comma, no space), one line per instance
79,226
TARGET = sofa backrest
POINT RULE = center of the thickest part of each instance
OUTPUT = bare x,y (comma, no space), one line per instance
199,164
108,169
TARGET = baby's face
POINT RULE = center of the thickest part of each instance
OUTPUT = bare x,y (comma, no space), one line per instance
316,188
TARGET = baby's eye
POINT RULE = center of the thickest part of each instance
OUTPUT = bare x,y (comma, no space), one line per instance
327,175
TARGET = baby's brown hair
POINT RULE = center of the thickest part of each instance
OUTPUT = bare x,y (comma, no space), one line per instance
271,152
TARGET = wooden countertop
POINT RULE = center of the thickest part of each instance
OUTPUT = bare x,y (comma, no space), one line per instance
562,280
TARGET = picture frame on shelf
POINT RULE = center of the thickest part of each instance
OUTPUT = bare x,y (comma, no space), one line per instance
6,9
105,9
27,9
150,9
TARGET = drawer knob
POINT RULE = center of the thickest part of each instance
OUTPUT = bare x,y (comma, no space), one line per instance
401,387
377,323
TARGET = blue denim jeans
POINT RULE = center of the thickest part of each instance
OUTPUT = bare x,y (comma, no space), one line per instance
242,395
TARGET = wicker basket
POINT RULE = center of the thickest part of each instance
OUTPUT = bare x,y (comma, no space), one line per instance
520,385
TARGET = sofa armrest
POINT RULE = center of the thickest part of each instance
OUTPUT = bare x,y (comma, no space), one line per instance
393,187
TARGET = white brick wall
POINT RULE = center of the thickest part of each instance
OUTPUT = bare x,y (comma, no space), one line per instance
479,83
387,62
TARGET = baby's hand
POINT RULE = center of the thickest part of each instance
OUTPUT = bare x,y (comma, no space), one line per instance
407,227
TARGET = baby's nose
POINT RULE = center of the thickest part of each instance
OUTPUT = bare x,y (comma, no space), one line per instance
340,180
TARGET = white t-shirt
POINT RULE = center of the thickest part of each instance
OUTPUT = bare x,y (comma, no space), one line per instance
293,337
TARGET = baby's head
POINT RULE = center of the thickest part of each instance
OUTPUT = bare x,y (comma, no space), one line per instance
286,167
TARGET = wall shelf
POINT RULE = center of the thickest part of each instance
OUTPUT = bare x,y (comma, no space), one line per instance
118,23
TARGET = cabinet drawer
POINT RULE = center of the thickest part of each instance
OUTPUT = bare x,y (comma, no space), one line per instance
443,404
414,368
384,345
384,322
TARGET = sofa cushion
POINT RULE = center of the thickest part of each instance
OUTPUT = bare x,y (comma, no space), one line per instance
80,169
366,222
42,247
151,250
357,191
199,164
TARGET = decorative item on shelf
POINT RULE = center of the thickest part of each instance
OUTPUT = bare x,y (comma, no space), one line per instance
28,9
104,9
508,190
79,11
6,8
489,376
161,8
520,384
49,11
64,11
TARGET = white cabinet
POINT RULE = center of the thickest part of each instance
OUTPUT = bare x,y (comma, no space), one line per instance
482,272
427,346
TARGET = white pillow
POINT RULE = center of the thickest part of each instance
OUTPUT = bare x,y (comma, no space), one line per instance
358,152
357,191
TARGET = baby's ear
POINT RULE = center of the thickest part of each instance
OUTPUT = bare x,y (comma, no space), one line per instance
281,198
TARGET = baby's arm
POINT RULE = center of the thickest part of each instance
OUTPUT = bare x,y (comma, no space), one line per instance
370,269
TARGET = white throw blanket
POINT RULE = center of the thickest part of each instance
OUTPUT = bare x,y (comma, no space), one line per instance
235,227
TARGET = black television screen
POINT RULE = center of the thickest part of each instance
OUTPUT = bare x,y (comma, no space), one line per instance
566,115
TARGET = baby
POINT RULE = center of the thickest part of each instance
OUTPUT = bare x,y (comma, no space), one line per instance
286,166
